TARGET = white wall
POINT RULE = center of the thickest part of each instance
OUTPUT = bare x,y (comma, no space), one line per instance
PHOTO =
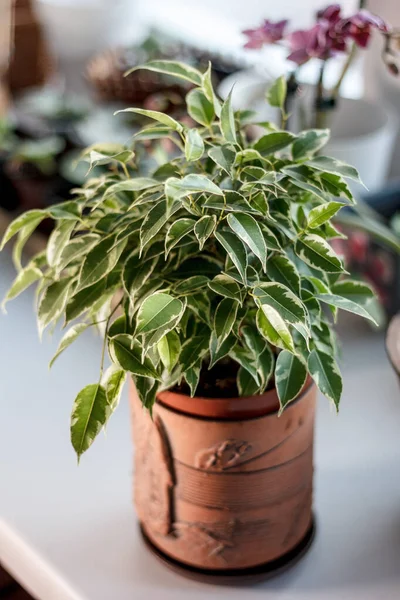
219,22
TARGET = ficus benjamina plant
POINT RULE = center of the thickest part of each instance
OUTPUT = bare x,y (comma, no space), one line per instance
220,252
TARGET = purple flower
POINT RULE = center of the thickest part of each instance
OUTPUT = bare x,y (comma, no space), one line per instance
360,26
330,13
321,41
268,33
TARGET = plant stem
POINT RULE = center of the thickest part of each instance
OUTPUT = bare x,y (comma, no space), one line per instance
319,97
346,66
125,169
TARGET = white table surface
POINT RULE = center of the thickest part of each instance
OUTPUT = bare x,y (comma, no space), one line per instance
70,533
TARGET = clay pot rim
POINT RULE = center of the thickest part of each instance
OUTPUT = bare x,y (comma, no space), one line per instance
227,409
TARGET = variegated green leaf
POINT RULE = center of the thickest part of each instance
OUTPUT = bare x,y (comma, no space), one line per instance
271,325
248,230
89,415
224,319
325,372
290,377
169,348
199,108
204,228
318,254
194,145
156,311
320,214
235,250
227,122
281,269
173,68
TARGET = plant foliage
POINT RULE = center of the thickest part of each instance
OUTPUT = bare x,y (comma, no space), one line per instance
220,251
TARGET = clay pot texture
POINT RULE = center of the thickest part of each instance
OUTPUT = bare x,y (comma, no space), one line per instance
224,484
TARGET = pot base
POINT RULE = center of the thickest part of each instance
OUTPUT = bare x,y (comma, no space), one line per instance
237,576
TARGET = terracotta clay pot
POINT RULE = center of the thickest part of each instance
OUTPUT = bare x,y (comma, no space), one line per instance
225,485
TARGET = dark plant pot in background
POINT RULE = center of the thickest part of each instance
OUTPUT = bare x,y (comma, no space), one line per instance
223,487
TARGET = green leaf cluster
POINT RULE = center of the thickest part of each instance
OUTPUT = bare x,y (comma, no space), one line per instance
219,252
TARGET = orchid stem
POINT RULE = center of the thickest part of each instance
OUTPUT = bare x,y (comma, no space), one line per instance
336,90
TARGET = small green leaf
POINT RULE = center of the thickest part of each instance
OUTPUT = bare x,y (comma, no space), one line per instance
318,254
154,220
288,305
113,382
276,94
84,300
290,377
232,202
173,68
131,185
176,231
57,241
224,319
199,108
190,184
309,142
204,228
245,360
127,354
31,218
194,145
169,348
192,350
320,214
328,164
89,415
52,303
155,115
99,261
248,230
345,304
216,353
357,291
325,372
147,391
271,325
106,153
208,89
281,269
336,186
226,286
262,353
235,250
273,142
65,210
246,383
223,156
191,285
76,249
156,311
24,279
70,336
192,377
227,122
119,325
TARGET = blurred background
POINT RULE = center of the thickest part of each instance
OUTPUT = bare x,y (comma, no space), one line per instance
62,65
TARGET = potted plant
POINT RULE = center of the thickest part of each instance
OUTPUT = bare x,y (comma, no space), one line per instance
214,285
360,129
